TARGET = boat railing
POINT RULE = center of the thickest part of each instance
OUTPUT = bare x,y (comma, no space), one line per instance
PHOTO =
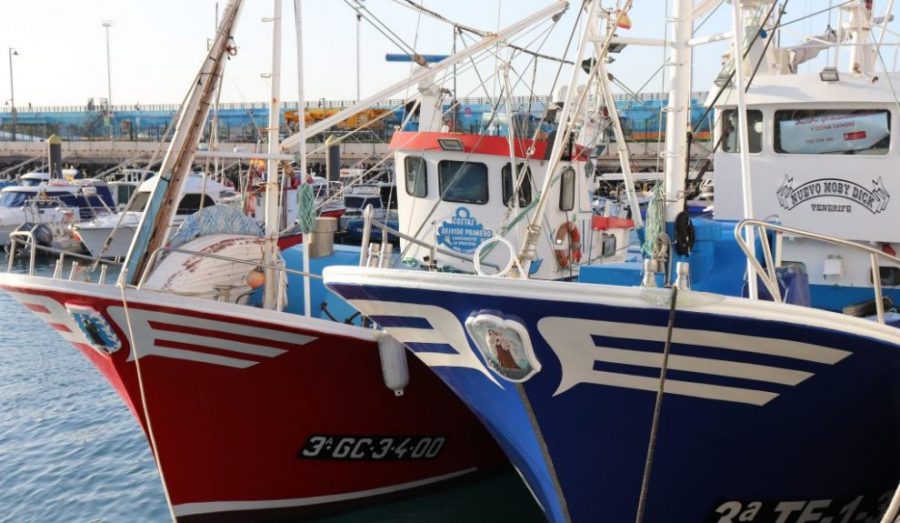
23,242
773,259
26,240
37,204
369,253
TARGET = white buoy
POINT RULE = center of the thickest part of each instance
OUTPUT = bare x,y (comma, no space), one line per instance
394,368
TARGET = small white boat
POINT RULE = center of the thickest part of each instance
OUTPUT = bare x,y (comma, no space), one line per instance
197,194
56,204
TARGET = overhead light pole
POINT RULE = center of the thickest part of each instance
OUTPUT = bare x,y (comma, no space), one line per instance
12,92
358,26
109,114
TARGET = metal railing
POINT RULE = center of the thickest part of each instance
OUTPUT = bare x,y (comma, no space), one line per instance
27,240
768,273
310,104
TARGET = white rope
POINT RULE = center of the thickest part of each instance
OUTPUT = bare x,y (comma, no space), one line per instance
137,364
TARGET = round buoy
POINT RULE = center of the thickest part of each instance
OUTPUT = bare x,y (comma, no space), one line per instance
256,279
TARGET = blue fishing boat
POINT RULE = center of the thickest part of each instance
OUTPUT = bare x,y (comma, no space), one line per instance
741,371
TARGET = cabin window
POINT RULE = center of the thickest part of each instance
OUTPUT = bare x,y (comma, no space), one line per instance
191,203
46,200
730,142
463,182
416,176
13,199
139,202
123,193
509,185
567,190
839,131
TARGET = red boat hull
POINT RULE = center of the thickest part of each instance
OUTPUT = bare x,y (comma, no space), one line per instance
276,416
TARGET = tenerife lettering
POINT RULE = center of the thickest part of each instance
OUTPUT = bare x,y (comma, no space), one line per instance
875,199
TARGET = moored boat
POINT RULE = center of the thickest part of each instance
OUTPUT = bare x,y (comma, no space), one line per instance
633,395
254,406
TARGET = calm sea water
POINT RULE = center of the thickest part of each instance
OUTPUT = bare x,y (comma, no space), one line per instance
71,452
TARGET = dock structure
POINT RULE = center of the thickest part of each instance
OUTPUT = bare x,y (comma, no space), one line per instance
137,129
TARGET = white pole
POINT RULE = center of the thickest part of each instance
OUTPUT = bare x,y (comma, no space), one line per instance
358,26
109,114
526,250
737,29
678,108
301,130
272,187
621,145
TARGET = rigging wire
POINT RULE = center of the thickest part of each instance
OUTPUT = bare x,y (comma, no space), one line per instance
478,32
363,12
816,13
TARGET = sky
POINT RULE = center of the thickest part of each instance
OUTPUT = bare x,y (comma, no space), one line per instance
156,47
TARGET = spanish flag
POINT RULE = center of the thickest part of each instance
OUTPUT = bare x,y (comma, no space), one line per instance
623,22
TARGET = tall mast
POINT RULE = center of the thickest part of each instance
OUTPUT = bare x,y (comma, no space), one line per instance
526,251
272,187
176,165
678,108
301,131
737,27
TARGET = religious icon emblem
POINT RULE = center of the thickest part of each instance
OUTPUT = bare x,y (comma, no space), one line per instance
505,346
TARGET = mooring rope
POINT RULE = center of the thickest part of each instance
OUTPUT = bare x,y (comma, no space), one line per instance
657,411
140,379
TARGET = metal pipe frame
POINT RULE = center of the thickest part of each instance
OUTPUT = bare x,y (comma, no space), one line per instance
768,275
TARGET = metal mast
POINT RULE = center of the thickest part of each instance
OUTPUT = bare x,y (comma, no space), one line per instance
272,186
176,165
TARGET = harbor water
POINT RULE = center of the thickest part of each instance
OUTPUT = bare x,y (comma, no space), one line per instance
70,451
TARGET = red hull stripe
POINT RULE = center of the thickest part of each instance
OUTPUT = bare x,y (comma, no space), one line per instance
34,307
60,327
472,143
82,346
246,359
242,338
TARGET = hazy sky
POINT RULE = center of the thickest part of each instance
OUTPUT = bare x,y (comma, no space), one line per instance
157,46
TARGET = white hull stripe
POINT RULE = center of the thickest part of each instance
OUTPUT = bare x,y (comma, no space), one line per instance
720,340
190,509
683,388
155,335
572,339
227,327
441,329
730,369
57,314
218,343
163,340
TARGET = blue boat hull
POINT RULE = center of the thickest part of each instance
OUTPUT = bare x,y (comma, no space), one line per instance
783,421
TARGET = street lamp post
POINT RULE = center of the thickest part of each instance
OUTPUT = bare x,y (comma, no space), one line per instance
12,92
358,24
109,114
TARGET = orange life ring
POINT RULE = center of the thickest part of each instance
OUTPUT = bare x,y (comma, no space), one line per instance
571,253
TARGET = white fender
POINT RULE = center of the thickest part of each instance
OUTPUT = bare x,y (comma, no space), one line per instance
394,367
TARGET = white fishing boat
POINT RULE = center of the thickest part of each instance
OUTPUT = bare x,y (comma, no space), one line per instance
109,235
52,204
